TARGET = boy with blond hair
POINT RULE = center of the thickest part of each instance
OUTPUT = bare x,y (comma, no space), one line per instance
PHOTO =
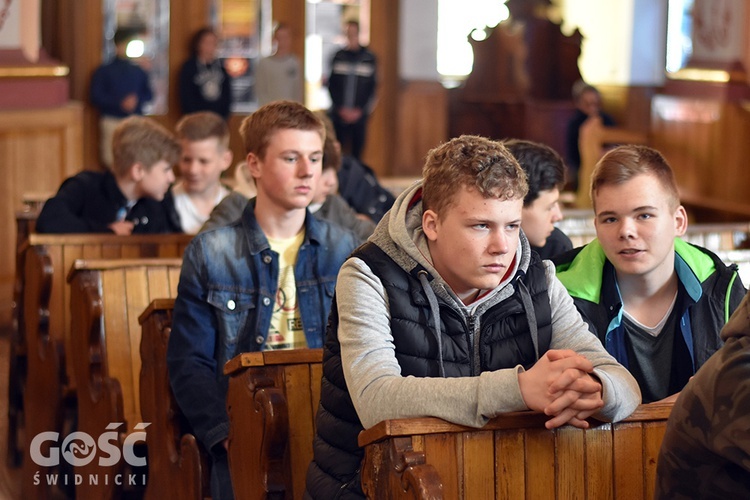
204,137
446,312
125,200
656,302
241,285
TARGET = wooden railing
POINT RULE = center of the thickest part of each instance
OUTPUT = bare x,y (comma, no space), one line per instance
513,456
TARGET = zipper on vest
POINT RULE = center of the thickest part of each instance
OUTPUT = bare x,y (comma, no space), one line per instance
471,323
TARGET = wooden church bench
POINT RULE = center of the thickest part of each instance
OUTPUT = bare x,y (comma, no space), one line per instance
513,456
272,402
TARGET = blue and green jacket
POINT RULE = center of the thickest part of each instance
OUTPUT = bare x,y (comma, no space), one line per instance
713,292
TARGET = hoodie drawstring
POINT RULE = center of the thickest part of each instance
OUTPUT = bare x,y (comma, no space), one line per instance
528,308
432,299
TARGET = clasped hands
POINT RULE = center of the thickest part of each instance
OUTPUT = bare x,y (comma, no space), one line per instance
562,386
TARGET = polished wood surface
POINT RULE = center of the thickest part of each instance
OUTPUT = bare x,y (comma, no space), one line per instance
422,124
513,456
272,402
107,298
39,148
178,467
47,380
705,142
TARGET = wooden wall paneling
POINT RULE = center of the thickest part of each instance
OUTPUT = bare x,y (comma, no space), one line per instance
384,42
421,123
705,142
547,121
38,150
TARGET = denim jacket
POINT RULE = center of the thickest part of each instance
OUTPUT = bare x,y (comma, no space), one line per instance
224,304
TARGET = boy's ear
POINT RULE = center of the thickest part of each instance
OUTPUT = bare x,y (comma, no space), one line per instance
137,171
226,158
680,221
429,224
253,165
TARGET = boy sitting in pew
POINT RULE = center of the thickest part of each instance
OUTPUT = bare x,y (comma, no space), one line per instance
656,302
126,200
204,137
446,312
326,204
262,282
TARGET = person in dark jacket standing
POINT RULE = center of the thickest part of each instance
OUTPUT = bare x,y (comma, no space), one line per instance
352,87
119,89
656,302
204,83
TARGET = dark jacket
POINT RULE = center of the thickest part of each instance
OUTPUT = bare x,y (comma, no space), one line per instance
197,94
114,81
225,301
556,244
353,79
89,201
423,349
713,291
361,189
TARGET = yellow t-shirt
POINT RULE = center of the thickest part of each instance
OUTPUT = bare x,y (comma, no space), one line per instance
286,330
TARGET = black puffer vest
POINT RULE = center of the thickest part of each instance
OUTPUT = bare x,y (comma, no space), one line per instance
422,350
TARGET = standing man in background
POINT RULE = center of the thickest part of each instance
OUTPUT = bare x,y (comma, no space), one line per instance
119,89
279,77
352,87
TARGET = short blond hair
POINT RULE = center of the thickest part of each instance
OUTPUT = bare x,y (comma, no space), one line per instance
138,139
473,162
203,125
625,162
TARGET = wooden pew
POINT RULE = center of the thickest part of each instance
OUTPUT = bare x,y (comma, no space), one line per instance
272,401
106,299
25,224
43,313
177,466
513,456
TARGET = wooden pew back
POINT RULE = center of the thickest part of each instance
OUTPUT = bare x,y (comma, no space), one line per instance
64,249
513,456
272,402
106,299
44,317
178,467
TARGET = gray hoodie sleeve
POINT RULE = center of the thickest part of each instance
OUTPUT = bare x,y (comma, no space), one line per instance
379,392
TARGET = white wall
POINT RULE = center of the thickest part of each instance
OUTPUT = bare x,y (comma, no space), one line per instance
418,40
624,40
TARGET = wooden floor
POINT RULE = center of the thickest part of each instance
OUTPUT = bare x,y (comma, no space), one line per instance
10,479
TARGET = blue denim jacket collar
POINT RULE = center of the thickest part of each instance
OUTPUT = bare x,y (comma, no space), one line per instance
256,239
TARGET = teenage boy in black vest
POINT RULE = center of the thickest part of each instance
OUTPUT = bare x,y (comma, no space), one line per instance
446,312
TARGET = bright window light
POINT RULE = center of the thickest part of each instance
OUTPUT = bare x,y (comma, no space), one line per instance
679,27
135,49
458,19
